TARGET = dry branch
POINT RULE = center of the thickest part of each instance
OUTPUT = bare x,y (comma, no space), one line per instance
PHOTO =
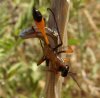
54,81
90,20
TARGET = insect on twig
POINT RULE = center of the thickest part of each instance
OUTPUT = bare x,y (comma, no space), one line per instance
50,54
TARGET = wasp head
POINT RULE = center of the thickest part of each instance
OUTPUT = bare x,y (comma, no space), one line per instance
64,70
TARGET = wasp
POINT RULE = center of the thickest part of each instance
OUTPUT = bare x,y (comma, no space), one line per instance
50,54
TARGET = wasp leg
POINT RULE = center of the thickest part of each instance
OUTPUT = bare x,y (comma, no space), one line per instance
54,49
47,62
66,60
68,51
41,61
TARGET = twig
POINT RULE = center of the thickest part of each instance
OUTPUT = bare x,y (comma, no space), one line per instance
90,20
60,8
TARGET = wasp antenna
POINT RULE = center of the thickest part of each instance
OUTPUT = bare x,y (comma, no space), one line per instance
72,76
55,23
54,19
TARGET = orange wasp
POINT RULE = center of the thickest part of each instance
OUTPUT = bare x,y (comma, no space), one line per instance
50,54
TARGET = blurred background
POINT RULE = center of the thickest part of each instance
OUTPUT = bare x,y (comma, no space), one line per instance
19,75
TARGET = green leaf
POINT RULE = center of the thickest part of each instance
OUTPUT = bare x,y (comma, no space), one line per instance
13,70
73,41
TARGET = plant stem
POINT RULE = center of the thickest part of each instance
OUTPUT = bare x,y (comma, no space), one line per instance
53,86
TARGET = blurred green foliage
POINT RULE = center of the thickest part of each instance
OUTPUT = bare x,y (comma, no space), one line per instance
19,75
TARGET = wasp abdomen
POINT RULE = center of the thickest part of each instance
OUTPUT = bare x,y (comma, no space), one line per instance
36,15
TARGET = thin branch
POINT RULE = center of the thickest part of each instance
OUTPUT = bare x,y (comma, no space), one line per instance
90,20
60,8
